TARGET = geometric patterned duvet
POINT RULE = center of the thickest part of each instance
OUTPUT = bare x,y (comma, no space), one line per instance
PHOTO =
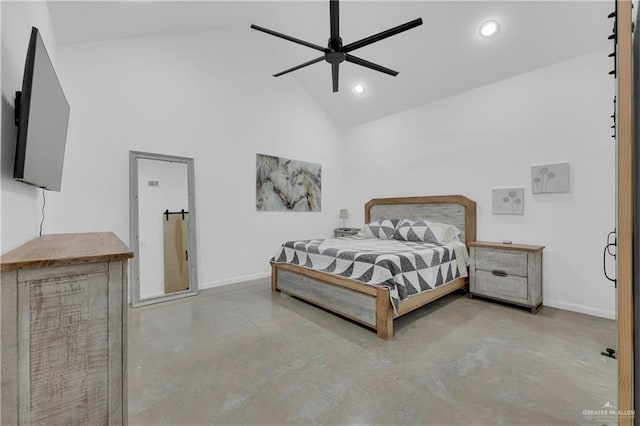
407,268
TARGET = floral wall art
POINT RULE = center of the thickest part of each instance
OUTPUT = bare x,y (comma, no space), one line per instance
283,184
549,178
508,201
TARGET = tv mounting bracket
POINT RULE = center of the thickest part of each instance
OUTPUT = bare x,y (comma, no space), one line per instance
17,104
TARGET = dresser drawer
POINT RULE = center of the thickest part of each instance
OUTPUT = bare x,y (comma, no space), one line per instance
511,286
511,262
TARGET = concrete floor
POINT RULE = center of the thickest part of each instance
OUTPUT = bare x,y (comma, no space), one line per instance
241,355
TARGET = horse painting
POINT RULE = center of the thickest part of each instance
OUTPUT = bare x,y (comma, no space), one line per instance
283,184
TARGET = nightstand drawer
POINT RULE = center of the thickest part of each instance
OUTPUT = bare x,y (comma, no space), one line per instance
511,286
511,262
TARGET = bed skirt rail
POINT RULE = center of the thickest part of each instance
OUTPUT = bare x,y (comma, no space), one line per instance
365,304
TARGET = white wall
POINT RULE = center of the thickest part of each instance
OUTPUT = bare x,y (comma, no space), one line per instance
192,95
19,202
172,193
489,137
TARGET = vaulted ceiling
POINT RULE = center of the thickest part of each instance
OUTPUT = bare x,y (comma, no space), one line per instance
443,57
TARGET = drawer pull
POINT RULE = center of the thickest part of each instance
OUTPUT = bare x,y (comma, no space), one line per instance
499,273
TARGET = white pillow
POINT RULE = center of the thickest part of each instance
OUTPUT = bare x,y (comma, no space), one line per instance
444,232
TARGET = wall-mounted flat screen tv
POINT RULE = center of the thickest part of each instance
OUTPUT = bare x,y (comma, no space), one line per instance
42,117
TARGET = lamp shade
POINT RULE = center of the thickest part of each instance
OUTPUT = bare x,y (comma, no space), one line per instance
344,214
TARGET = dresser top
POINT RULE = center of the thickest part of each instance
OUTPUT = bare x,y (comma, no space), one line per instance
66,249
520,247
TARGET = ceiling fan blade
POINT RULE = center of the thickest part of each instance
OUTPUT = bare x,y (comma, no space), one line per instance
334,76
286,37
381,36
334,16
297,67
364,63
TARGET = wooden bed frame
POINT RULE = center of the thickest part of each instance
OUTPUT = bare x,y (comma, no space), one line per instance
371,305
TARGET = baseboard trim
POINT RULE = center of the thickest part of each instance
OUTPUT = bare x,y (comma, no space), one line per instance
602,313
233,280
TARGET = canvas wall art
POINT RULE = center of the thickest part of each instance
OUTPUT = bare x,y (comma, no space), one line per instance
549,178
508,201
283,184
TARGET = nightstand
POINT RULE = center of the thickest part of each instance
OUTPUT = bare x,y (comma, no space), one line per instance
345,232
507,272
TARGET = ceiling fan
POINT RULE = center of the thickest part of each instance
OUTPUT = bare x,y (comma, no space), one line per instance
336,52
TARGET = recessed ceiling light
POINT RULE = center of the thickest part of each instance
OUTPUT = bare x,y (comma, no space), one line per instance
359,88
489,28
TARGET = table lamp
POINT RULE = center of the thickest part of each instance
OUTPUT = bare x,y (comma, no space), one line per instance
344,215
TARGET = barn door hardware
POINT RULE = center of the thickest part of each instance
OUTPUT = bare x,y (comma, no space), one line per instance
613,116
614,37
609,249
181,212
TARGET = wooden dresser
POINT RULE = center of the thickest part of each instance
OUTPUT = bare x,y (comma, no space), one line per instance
507,272
63,304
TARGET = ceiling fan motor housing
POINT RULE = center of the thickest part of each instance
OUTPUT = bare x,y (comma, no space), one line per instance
335,57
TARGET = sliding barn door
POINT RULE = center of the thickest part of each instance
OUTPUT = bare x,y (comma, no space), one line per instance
625,213
636,247
176,253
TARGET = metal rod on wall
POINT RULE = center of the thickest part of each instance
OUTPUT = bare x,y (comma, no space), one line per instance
182,212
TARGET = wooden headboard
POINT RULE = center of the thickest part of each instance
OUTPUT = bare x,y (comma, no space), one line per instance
456,210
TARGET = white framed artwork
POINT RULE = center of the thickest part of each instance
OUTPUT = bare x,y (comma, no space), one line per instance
509,201
550,178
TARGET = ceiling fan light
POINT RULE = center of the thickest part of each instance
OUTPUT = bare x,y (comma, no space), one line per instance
359,88
489,28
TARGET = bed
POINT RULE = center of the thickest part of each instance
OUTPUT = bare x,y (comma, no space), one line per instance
374,305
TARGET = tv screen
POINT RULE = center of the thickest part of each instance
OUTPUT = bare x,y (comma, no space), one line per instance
42,117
